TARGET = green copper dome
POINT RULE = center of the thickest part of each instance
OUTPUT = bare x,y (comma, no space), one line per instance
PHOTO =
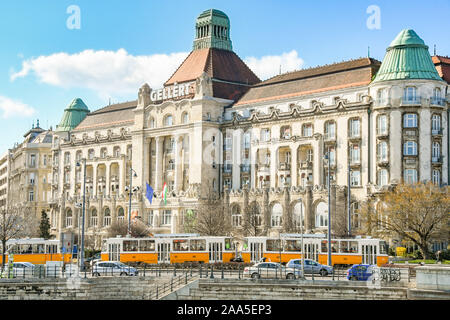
407,58
212,30
73,115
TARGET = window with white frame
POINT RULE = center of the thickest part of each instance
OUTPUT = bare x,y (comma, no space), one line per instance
436,124
331,151
436,99
185,117
94,218
69,218
355,178
435,151
381,96
355,154
409,95
355,128
120,214
265,135
277,213
382,177
382,127
410,175
299,215
152,123
285,132
382,151
107,217
91,154
166,218
307,130
150,217
236,216
410,148
436,177
168,120
31,196
330,130
309,155
410,120
321,215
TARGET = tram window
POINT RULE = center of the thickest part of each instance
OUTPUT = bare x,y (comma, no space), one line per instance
245,245
353,248
180,245
334,246
25,248
324,246
343,248
198,245
38,248
146,245
273,245
293,245
130,245
228,244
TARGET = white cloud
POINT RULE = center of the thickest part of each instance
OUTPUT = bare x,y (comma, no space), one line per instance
269,66
106,72
13,108
113,73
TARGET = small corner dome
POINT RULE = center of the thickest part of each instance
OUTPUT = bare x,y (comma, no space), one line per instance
407,37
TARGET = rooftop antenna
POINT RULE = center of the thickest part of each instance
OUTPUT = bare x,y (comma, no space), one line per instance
368,51
434,49
37,124
32,126
280,69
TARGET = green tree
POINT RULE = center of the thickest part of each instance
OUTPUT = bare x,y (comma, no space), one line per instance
44,226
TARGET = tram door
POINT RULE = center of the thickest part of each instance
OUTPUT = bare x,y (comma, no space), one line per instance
256,250
164,252
215,252
114,251
311,251
369,254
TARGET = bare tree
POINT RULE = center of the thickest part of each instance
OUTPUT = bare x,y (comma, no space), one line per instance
252,219
120,228
209,218
418,213
12,226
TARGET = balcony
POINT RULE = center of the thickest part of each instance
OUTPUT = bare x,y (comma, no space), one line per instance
411,100
264,168
383,161
284,166
381,102
245,168
329,137
306,165
437,160
227,167
436,132
382,134
354,136
437,101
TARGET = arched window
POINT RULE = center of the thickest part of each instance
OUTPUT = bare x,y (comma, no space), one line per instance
168,120
321,215
185,117
436,124
236,216
409,95
116,151
91,154
277,214
151,123
103,153
436,99
120,214
299,215
355,215
69,218
106,217
94,218
435,151
285,132
307,130
66,158
265,135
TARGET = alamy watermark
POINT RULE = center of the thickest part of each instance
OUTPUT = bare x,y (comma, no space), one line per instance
74,20
374,20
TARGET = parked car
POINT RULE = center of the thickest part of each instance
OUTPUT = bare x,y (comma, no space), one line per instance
93,259
111,268
311,266
23,269
271,270
361,272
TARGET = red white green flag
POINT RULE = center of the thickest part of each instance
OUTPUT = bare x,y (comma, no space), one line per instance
164,193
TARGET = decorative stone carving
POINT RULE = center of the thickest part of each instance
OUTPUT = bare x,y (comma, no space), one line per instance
203,86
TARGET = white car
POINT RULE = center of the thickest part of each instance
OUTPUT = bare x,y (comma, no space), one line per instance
113,268
23,269
271,270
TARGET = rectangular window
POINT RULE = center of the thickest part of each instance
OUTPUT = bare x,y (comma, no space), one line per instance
198,245
146,245
410,175
273,245
354,128
130,245
355,178
293,245
167,217
382,125
181,245
410,120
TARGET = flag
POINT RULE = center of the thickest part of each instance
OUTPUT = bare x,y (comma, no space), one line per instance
164,193
149,193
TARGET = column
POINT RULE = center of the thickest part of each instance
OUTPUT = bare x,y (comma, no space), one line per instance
309,212
122,175
318,160
158,167
94,179
253,173
108,179
273,166
178,163
294,168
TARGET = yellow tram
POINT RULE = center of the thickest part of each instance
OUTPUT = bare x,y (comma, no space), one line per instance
169,248
35,250
315,247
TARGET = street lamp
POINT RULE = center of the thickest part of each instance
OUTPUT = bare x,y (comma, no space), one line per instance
327,157
349,213
129,204
301,230
83,212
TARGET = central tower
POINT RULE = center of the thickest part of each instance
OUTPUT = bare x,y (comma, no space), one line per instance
212,30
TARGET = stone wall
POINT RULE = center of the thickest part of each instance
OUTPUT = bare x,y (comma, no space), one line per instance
433,278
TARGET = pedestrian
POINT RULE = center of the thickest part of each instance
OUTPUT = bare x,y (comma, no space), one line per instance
438,256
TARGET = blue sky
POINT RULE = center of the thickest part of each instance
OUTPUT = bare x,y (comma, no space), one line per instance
121,44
